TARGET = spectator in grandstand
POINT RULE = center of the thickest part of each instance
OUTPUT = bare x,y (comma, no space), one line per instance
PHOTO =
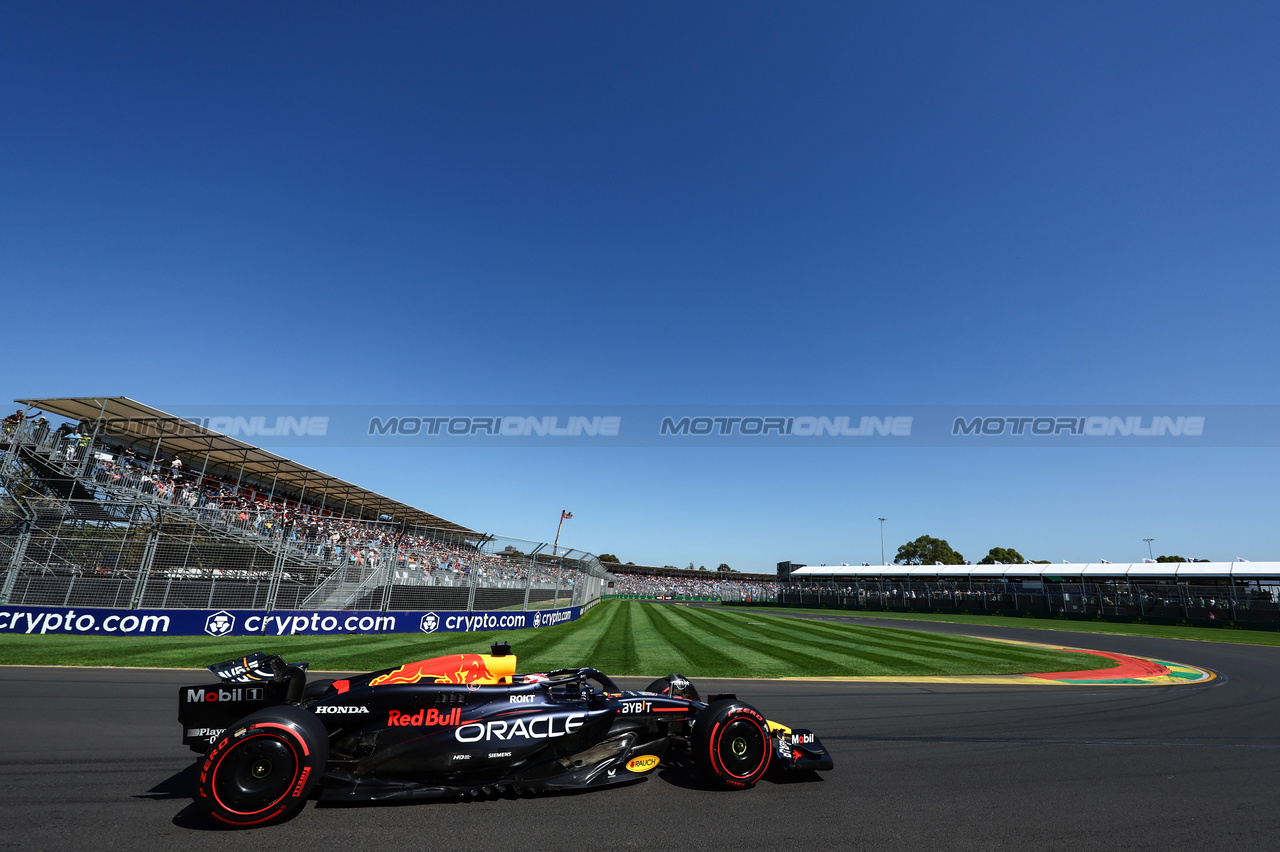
317,532
39,428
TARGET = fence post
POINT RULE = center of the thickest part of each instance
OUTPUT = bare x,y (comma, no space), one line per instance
277,573
471,594
392,563
388,581
20,553
528,585
148,557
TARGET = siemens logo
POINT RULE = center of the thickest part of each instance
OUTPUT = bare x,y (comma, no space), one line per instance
800,427
1096,426
509,427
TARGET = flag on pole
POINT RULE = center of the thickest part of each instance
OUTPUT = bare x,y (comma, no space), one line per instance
565,516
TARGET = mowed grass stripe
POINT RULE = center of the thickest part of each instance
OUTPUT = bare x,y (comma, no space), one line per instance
845,654
616,646
619,638
958,650
703,653
654,645
892,650
785,650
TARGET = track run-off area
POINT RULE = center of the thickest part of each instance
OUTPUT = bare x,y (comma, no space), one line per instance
91,757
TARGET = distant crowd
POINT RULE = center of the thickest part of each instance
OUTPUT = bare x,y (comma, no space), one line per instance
714,585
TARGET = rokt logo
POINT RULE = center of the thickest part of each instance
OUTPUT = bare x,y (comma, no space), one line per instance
430,623
220,623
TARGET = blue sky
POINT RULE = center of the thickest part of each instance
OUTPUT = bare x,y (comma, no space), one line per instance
693,203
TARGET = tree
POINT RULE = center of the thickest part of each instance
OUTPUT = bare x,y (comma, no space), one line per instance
723,567
1171,559
926,550
609,557
1003,555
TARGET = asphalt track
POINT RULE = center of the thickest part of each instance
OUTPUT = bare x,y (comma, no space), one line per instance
90,759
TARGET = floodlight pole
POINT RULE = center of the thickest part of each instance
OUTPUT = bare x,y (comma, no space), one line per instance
882,520
555,552
556,546
1148,541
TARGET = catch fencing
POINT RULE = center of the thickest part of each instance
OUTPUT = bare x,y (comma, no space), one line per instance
125,539
83,527
1223,602
149,556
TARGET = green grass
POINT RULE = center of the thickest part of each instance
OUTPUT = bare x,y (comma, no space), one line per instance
1156,631
617,637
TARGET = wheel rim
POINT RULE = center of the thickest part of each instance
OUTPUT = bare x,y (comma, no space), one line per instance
742,748
256,774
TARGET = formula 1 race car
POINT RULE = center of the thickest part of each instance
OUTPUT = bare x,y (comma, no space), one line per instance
465,724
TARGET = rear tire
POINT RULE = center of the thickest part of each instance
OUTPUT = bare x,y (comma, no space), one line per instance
731,745
263,768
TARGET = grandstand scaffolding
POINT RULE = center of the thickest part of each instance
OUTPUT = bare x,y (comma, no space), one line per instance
125,506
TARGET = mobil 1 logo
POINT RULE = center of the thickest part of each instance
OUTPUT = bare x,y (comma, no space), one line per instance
222,695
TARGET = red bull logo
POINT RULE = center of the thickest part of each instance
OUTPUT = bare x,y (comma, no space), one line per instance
423,718
457,668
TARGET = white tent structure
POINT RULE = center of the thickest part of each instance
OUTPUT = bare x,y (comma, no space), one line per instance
1149,572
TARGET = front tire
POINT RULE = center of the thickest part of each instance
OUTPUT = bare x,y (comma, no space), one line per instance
263,768
730,744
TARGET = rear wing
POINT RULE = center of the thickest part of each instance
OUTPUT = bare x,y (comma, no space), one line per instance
253,668
244,685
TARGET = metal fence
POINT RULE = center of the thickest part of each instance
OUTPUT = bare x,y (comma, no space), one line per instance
1229,601
161,560
129,540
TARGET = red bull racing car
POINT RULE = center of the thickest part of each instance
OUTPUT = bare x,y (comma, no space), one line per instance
465,724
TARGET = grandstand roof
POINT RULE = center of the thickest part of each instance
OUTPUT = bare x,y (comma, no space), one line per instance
1088,570
133,424
617,568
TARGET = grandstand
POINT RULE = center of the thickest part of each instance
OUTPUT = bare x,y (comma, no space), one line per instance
647,581
1209,592
122,505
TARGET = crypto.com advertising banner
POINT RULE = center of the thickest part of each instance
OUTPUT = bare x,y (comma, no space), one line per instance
248,622
744,425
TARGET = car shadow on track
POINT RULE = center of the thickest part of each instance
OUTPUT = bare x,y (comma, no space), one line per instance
180,785
687,777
